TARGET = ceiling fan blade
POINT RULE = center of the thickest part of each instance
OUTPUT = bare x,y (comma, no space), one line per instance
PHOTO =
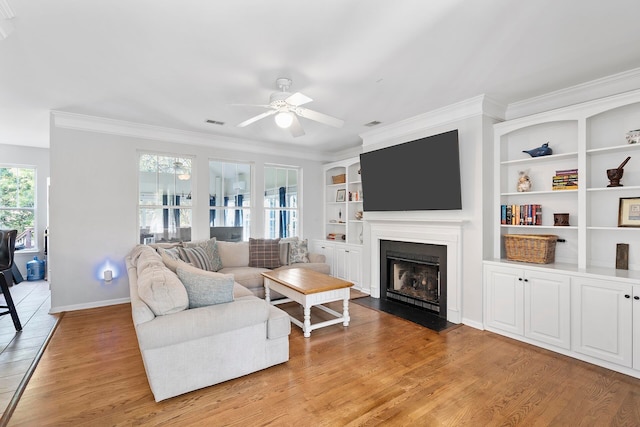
296,127
298,99
319,117
251,105
256,118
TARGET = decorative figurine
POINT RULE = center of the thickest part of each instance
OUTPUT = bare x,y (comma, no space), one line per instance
615,175
543,150
633,136
524,183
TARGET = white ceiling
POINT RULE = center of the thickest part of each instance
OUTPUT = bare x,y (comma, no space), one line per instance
177,63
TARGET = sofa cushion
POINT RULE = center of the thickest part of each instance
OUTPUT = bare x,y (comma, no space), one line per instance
249,277
264,253
210,247
161,290
234,254
197,257
145,257
206,287
298,251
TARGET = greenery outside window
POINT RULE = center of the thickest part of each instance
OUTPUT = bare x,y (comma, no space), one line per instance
281,206
164,202
229,200
18,203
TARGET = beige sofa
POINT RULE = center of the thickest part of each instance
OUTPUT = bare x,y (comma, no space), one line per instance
235,260
184,349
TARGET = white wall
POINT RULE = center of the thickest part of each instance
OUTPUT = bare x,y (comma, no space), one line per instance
38,157
93,216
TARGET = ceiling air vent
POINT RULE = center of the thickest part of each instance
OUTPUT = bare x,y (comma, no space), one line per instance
373,123
214,122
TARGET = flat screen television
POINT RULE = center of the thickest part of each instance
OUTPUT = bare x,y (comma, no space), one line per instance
418,175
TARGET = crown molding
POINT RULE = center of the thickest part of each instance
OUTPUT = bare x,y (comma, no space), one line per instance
66,120
472,107
588,91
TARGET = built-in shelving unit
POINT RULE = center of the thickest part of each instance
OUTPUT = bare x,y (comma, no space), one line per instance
581,305
589,137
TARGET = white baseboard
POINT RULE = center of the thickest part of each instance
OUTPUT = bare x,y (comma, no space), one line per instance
94,304
473,324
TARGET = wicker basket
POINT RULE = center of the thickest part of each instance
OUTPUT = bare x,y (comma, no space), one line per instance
339,179
536,248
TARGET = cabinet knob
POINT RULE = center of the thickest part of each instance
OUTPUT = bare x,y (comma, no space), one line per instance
526,280
627,296
520,279
636,298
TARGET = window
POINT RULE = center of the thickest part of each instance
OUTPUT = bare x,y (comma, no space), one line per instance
164,203
281,195
18,203
229,200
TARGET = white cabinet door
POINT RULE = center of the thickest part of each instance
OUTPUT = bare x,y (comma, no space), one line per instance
547,308
601,319
340,264
354,266
504,302
328,250
636,327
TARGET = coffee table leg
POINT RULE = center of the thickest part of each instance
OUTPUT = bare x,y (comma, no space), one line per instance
307,322
345,311
267,296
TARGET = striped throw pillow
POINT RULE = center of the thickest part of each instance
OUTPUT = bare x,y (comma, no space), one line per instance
197,257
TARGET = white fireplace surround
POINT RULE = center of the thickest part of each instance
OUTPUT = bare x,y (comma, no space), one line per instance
446,233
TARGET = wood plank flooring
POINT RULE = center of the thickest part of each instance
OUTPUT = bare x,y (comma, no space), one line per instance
381,370
18,349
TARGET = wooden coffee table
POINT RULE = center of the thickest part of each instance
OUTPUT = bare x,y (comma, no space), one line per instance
309,288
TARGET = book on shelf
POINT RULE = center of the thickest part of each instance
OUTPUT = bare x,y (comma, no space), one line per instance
565,180
521,214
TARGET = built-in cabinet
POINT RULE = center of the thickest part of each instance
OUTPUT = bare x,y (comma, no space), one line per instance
529,303
343,225
580,305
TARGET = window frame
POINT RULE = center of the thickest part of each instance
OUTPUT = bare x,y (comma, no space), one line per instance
170,205
33,210
297,210
229,211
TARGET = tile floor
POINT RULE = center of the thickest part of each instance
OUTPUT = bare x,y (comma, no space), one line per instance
18,349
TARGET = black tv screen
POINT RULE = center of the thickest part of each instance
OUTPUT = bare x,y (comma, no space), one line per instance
418,175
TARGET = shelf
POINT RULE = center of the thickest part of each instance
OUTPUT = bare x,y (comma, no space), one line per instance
337,223
520,193
630,187
336,185
355,201
541,159
614,149
632,229
568,227
359,221
355,182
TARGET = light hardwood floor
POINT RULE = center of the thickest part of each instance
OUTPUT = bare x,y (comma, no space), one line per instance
381,370
18,349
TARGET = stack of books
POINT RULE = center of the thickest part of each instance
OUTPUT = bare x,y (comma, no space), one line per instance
521,214
565,180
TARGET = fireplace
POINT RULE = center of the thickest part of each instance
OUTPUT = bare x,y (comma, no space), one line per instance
414,274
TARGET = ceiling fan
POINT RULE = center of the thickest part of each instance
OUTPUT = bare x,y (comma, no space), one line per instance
287,108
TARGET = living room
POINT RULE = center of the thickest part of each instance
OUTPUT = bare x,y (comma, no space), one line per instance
90,147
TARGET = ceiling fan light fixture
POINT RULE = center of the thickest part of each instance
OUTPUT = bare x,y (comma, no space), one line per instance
284,119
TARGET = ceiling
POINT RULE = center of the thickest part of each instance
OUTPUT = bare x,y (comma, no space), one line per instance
177,63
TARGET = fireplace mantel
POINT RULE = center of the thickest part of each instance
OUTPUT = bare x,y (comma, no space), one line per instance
438,232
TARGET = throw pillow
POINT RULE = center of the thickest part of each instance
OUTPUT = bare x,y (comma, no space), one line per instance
162,291
264,253
210,247
197,257
299,251
172,263
284,249
205,287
